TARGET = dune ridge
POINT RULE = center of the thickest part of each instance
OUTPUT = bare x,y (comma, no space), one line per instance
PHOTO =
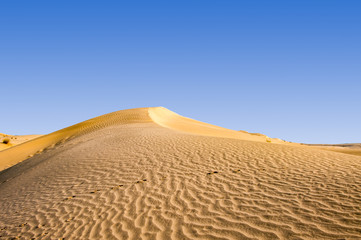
158,115
23,151
151,174
169,119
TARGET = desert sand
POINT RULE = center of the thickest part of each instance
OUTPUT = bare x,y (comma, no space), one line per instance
7,141
348,148
149,173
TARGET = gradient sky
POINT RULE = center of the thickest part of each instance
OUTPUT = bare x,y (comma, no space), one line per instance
288,69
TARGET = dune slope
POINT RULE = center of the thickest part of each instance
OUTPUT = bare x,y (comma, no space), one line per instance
151,174
158,115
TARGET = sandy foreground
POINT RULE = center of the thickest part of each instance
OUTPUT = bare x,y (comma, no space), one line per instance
149,173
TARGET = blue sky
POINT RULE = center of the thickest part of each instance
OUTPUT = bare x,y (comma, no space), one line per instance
288,69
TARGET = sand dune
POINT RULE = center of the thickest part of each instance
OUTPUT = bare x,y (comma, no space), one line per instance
348,148
7,141
159,115
149,173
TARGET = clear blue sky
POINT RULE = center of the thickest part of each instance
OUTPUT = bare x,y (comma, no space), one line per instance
288,69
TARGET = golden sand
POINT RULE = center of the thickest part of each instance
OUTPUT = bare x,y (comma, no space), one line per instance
348,148
8,141
149,173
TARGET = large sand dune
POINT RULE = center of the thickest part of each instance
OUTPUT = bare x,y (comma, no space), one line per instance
151,174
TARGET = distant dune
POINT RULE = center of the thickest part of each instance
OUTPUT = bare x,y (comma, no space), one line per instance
150,173
348,148
7,141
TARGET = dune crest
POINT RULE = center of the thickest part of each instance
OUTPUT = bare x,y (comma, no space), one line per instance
23,151
169,119
158,115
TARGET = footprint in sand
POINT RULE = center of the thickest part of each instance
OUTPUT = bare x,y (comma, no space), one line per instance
140,181
119,186
69,219
68,198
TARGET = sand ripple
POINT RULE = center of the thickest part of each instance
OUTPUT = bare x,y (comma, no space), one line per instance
146,181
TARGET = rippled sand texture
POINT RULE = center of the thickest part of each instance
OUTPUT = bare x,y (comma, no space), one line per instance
141,178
